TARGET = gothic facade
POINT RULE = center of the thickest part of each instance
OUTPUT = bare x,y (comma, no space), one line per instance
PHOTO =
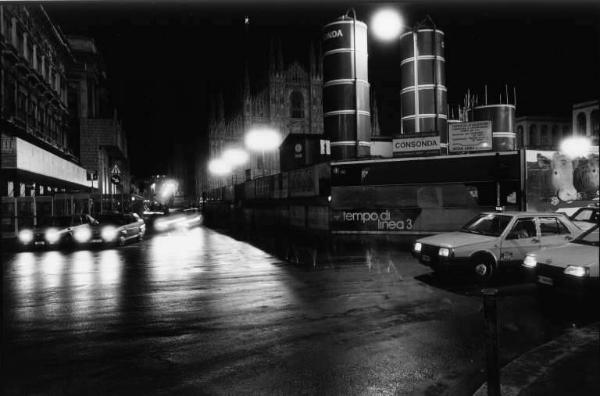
289,101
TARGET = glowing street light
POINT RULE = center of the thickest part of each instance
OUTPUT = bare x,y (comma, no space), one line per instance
387,24
262,139
235,157
576,146
219,167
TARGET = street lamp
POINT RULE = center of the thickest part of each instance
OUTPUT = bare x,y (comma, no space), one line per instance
219,167
576,146
234,157
387,24
261,140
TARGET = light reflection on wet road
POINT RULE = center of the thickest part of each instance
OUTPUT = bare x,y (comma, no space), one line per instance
198,312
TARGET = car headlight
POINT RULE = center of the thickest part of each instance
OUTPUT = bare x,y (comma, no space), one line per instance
25,236
52,235
444,252
418,247
576,270
530,261
82,235
109,233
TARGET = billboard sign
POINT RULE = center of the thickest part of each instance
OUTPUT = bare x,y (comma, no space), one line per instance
555,181
470,136
415,144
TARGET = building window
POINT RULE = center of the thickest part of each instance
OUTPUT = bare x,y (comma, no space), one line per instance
555,135
521,136
533,136
581,124
297,105
595,123
545,138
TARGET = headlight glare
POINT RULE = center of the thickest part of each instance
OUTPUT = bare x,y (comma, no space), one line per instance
530,261
109,233
576,270
444,252
418,247
25,236
52,235
82,234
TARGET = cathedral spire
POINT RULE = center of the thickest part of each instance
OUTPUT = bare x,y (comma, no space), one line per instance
272,56
246,88
220,107
279,56
313,64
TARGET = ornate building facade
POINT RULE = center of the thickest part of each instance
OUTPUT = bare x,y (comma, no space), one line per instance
38,153
289,101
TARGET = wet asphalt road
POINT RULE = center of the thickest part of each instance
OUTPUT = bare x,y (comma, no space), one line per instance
197,312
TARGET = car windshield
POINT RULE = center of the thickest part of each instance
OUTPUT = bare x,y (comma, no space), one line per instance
60,222
590,237
487,224
586,214
111,219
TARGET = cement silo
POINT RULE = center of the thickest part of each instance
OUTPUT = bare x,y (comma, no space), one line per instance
346,110
423,78
502,117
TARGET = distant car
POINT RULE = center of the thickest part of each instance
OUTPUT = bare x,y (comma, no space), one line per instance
569,269
59,231
118,228
494,241
586,218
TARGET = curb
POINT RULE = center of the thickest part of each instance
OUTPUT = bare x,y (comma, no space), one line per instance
529,367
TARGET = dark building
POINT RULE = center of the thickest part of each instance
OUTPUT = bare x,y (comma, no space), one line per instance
37,149
102,143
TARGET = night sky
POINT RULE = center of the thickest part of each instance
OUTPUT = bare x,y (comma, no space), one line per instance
166,61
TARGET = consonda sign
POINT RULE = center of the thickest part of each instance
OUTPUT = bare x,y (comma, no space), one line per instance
415,144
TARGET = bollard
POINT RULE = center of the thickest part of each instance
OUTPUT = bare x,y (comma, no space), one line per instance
491,341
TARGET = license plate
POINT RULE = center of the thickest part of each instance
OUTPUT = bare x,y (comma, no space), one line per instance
426,258
96,240
40,243
545,280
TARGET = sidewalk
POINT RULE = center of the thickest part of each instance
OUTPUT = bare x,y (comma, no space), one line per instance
569,364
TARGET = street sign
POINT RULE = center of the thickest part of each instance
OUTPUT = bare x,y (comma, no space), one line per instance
412,144
115,170
93,175
115,179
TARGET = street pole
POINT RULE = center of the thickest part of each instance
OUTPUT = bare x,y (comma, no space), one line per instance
491,341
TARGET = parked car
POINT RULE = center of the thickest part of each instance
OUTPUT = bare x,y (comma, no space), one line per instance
494,241
59,231
586,218
118,228
569,269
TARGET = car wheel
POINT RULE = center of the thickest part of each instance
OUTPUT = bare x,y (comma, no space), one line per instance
484,268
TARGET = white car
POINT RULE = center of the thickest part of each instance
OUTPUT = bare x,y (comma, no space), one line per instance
494,241
586,218
568,269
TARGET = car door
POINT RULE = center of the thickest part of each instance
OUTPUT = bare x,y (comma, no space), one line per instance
553,231
522,238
